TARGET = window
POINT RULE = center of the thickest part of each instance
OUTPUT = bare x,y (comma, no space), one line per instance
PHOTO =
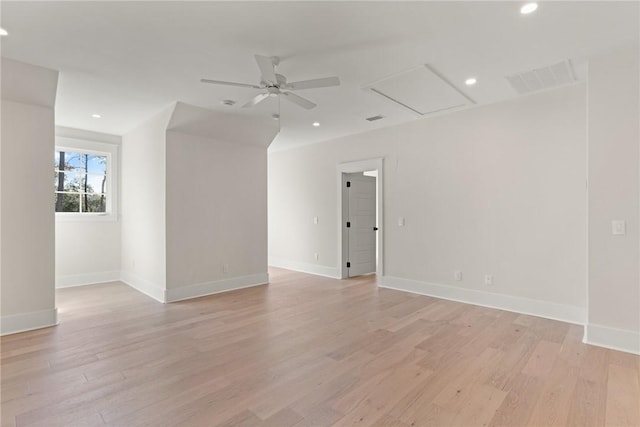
83,181
80,182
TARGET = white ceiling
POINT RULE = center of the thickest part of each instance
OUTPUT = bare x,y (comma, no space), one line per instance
129,60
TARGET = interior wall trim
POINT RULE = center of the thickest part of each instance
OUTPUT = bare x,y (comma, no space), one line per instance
86,279
13,324
209,288
304,267
143,285
613,338
545,309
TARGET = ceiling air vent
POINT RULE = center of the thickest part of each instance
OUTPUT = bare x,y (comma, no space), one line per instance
374,118
556,75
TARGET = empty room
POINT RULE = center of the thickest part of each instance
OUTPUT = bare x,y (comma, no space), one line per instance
320,213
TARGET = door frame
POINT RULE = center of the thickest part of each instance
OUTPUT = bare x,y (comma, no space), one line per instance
354,167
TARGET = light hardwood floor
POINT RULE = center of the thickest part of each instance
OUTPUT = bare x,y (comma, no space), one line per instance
308,351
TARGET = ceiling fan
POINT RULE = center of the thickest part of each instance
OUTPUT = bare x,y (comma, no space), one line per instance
276,84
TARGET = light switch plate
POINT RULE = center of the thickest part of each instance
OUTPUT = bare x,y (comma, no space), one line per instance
400,221
618,227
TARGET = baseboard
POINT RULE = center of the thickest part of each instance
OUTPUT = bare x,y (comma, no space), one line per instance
143,285
613,338
303,267
548,310
13,324
210,288
86,279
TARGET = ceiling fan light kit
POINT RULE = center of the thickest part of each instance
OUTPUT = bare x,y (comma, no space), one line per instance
276,84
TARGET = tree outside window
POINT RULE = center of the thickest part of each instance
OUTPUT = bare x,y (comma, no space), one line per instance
80,182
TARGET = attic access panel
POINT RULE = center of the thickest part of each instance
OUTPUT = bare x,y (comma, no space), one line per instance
420,90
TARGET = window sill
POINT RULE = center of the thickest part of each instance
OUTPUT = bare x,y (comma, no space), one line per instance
76,217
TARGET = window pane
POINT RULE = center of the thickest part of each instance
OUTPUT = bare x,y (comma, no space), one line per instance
67,202
96,184
74,161
96,164
68,181
68,160
94,203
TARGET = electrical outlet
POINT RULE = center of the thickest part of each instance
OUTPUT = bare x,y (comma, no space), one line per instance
457,275
225,268
488,280
618,227
316,256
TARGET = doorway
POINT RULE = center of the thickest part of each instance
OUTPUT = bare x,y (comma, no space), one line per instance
360,218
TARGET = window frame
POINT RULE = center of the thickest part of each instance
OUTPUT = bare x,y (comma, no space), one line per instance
110,151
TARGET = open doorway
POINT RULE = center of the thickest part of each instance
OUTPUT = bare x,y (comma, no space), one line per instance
360,218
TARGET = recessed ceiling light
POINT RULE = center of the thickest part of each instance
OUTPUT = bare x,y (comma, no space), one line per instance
470,81
96,116
316,124
3,32
528,8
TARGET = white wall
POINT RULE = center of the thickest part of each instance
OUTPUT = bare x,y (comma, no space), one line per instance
88,249
614,188
492,190
216,201
216,212
193,200
27,218
143,203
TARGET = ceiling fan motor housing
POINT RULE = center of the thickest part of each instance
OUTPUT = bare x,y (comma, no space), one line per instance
281,82
273,90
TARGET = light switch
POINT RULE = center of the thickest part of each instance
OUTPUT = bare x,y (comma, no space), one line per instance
400,221
315,219
618,227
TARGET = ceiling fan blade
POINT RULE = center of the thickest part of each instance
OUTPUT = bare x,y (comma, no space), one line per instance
311,84
304,103
255,100
219,82
267,69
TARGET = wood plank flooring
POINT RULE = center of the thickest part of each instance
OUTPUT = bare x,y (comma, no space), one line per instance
308,351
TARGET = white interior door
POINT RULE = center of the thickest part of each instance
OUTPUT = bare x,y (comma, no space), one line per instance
361,224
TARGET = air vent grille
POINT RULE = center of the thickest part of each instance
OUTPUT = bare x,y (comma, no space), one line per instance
555,75
374,118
